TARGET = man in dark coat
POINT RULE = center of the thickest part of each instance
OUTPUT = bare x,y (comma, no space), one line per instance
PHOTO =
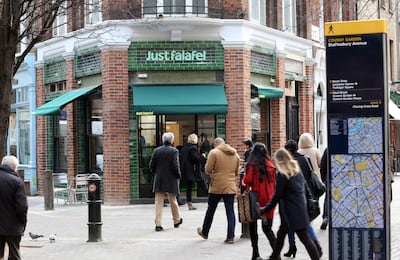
164,164
13,207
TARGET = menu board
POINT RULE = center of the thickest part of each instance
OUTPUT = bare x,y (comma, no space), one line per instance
357,96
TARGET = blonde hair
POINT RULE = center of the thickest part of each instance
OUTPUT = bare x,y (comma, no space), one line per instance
193,139
285,163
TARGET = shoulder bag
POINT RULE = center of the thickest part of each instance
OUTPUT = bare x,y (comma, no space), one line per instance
317,188
248,206
312,204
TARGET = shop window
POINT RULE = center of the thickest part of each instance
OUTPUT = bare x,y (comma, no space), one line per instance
96,136
55,87
60,147
24,127
12,134
150,130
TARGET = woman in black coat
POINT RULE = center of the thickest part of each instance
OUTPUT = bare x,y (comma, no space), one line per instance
190,167
290,193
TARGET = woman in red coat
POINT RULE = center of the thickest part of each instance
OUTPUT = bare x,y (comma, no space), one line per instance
260,177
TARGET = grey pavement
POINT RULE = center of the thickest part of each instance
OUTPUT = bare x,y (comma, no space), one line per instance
128,233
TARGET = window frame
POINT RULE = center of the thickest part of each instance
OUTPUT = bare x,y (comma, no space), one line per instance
60,27
257,11
289,16
161,8
93,12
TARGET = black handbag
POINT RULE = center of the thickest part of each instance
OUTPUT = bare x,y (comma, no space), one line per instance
312,204
318,188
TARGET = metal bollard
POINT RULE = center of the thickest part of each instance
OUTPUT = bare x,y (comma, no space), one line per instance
94,206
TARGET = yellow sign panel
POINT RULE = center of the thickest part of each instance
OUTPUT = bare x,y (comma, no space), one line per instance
356,27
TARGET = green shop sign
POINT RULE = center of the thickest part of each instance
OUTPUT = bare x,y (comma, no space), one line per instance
176,56
173,55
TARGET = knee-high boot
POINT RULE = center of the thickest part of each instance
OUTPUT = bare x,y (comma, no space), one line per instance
256,253
316,242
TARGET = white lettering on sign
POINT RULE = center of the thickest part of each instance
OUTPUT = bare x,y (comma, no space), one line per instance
176,55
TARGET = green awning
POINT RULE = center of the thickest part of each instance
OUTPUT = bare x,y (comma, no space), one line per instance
54,106
180,99
269,92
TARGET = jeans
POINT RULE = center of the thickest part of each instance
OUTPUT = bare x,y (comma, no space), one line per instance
213,200
310,230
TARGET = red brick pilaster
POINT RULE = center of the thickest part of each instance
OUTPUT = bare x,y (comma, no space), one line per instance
115,124
71,110
306,100
238,93
278,106
41,151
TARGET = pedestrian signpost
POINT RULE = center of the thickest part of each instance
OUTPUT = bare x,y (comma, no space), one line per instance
358,125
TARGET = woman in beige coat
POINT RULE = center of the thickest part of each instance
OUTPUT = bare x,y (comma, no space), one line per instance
307,147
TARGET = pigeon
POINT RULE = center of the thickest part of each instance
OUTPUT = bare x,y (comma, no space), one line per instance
34,236
52,238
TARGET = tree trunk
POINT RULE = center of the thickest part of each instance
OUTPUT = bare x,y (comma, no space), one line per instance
8,44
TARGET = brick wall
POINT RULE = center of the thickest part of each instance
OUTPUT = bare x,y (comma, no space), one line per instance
306,102
238,93
41,153
115,100
71,140
278,107
115,9
231,8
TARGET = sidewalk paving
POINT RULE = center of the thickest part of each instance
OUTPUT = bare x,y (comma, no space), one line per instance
128,233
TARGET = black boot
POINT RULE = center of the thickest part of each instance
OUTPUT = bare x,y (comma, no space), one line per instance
245,230
256,253
292,251
316,242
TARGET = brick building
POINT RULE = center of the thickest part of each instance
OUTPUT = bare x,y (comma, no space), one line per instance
110,82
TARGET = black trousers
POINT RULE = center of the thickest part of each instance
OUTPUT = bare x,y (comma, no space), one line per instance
266,225
13,247
304,237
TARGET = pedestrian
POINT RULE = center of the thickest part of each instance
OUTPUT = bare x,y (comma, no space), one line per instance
191,161
260,178
290,193
13,208
223,167
248,144
324,177
205,148
301,159
307,147
164,164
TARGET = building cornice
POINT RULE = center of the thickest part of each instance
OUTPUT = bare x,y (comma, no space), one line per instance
233,33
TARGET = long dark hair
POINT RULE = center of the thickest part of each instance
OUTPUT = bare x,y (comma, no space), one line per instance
258,154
